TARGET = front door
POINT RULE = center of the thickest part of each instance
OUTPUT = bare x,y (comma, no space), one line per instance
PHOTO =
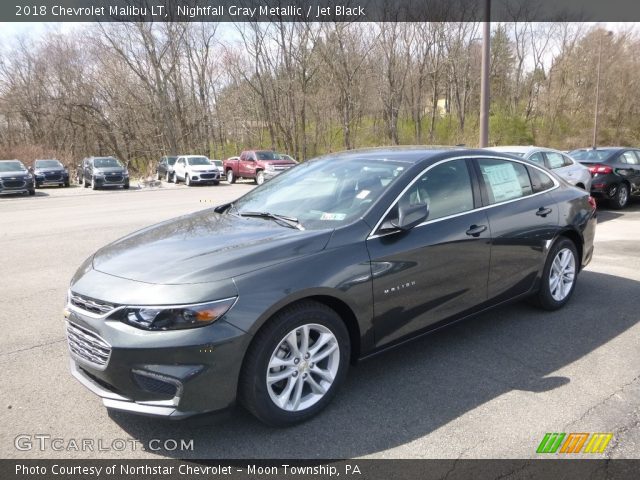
438,269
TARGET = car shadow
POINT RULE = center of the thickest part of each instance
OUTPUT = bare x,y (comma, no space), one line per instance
404,394
606,214
24,195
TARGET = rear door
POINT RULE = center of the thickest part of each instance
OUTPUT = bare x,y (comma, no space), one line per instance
438,269
523,218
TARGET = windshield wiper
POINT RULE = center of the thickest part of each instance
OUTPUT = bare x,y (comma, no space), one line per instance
290,222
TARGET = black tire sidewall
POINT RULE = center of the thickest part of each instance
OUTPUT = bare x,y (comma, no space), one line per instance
253,393
545,299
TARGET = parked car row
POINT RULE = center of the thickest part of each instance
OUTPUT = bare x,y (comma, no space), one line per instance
611,174
259,165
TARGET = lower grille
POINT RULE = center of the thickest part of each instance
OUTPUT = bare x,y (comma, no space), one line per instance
155,385
52,177
88,346
113,178
209,176
14,183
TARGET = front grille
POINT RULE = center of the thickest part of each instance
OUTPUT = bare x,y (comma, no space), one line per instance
53,176
155,385
113,178
87,345
208,176
90,305
14,183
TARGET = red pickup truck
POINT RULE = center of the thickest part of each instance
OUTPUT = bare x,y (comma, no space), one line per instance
260,165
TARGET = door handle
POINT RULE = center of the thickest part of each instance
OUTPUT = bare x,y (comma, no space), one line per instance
543,212
476,230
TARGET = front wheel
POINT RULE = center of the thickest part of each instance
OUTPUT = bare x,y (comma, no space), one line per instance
621,197
295,364
259,177
559,275
167,177
187,181
231,178
93,183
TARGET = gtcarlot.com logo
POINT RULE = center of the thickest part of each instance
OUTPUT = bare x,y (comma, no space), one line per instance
44,442
574,443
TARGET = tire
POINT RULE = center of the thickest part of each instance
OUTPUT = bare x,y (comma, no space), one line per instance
621,198
36,185
159,176
93,183
167,177
259,177
231,178
550,297
187,180
126,186
66,184
32,192
270,346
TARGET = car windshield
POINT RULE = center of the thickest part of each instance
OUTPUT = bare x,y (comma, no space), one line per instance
324,193
47,164
591,155
268,156
198,161
106,162
217,163
11,166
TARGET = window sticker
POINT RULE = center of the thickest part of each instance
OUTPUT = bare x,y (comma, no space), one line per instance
363,194
504,181
333,216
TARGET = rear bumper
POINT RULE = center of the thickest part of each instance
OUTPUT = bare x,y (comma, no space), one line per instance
604,186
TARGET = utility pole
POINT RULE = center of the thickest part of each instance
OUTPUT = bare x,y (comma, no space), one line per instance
594,142
484,80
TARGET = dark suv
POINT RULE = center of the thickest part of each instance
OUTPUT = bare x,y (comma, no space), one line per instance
15,178
615,172
100,172
50,172
164,168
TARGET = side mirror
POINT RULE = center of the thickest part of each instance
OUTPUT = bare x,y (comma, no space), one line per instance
409,216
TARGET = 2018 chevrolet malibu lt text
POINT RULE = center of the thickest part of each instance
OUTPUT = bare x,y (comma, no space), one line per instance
268,299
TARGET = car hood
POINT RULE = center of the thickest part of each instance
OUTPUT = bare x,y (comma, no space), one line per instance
205,247
49,169
109,170
16,173
279,162
202,168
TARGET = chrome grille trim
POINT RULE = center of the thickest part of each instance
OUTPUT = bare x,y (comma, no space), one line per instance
89,305
88,347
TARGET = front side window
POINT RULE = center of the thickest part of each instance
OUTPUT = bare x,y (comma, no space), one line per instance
445,188
504,180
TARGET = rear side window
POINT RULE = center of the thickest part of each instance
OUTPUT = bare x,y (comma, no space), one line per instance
504,180
557,160
628,158
445,188
540,181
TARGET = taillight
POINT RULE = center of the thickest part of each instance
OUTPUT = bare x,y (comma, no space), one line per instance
592,202
600,169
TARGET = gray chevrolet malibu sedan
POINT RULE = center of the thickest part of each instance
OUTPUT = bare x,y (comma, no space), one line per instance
268,299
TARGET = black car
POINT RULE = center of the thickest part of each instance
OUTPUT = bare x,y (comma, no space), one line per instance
615,172
15,178
268,299
50,172
98,172
164,168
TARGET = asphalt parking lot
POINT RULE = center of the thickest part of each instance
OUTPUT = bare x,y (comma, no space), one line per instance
490,387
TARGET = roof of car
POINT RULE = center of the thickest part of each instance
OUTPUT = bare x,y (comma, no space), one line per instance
192,156
522,149
407,154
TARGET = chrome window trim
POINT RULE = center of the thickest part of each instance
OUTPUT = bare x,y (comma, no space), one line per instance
556,184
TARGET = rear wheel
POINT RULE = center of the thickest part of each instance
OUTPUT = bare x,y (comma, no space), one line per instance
231,178
559,275
295,364
620,198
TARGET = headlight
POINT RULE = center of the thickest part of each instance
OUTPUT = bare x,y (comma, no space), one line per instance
176,317
269,168
98,175
126,174
29,176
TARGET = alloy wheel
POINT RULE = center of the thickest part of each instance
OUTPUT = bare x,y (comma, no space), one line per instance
623,195
303,367
562,274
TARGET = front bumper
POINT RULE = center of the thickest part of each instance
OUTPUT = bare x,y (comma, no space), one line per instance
111,181
16,186
171,374
197,177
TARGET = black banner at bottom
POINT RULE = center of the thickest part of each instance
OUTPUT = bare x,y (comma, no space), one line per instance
579,469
